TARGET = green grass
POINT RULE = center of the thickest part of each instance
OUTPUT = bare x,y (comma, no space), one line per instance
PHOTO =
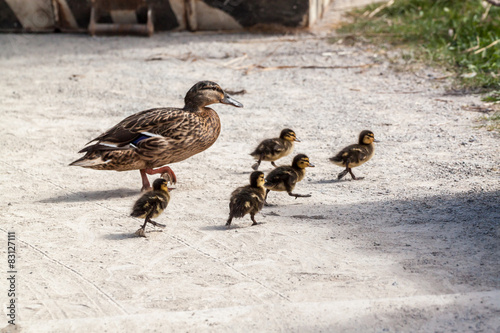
491,122
456,34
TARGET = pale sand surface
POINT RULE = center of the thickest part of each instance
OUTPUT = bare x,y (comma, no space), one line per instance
412,247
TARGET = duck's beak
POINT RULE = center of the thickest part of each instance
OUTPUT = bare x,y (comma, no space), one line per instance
296,140
230,101
311,165
375,140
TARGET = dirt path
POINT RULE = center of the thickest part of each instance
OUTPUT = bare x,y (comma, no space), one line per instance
412,247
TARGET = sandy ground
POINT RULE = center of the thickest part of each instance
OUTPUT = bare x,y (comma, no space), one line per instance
412,247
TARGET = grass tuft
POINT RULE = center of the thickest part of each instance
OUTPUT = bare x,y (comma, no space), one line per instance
462,36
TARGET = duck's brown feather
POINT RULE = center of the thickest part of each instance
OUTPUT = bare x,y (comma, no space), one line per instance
178,134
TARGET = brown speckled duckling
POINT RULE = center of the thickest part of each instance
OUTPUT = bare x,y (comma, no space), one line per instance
156,137
356,154
274,149
247,199
284,178
151,204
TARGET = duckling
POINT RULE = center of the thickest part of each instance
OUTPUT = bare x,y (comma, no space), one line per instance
247,199
151,204
284,178
274,149
356,154
156,137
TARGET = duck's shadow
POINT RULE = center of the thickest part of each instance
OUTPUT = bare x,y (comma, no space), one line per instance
92,195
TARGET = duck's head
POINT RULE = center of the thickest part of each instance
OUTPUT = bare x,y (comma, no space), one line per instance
366,137
160,184
289,135
257,179
302,161
205,93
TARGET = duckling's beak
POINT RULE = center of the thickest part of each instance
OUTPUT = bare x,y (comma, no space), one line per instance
296,140
230,101
311,165
375,140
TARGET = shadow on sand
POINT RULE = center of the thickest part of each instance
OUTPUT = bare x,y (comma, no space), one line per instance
93,195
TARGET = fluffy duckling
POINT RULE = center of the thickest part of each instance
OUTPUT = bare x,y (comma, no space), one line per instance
151,139
151,204
356,154
284,178
274,149
247,199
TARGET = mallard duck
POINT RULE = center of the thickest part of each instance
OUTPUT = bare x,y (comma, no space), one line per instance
274,149
355,155
156,137
151,204
284,178
247,199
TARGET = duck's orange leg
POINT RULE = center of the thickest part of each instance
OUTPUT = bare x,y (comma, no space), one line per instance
146,186
166,172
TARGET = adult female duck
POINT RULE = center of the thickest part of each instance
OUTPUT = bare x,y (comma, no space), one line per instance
153,138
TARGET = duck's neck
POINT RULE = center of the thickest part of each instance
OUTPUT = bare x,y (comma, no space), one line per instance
194,107
287,143
300,172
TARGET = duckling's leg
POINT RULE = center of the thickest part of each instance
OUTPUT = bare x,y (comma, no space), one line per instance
252,216
353,176
256,165
342,174
166,172
274,164
265,197
142,230
229,220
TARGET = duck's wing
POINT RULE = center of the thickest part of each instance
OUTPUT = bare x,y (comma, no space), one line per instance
139,126
269,146
283,175
149,204
351,154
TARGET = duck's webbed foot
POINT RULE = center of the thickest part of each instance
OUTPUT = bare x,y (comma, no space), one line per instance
141,232
298,195
342,174
156,224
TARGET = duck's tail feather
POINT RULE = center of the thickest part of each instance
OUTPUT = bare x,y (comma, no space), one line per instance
240,206
88,162
103,147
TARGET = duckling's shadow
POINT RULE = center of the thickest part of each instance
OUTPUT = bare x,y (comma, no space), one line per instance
243,172
121,236
233,226
92,195
330,181
129,235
